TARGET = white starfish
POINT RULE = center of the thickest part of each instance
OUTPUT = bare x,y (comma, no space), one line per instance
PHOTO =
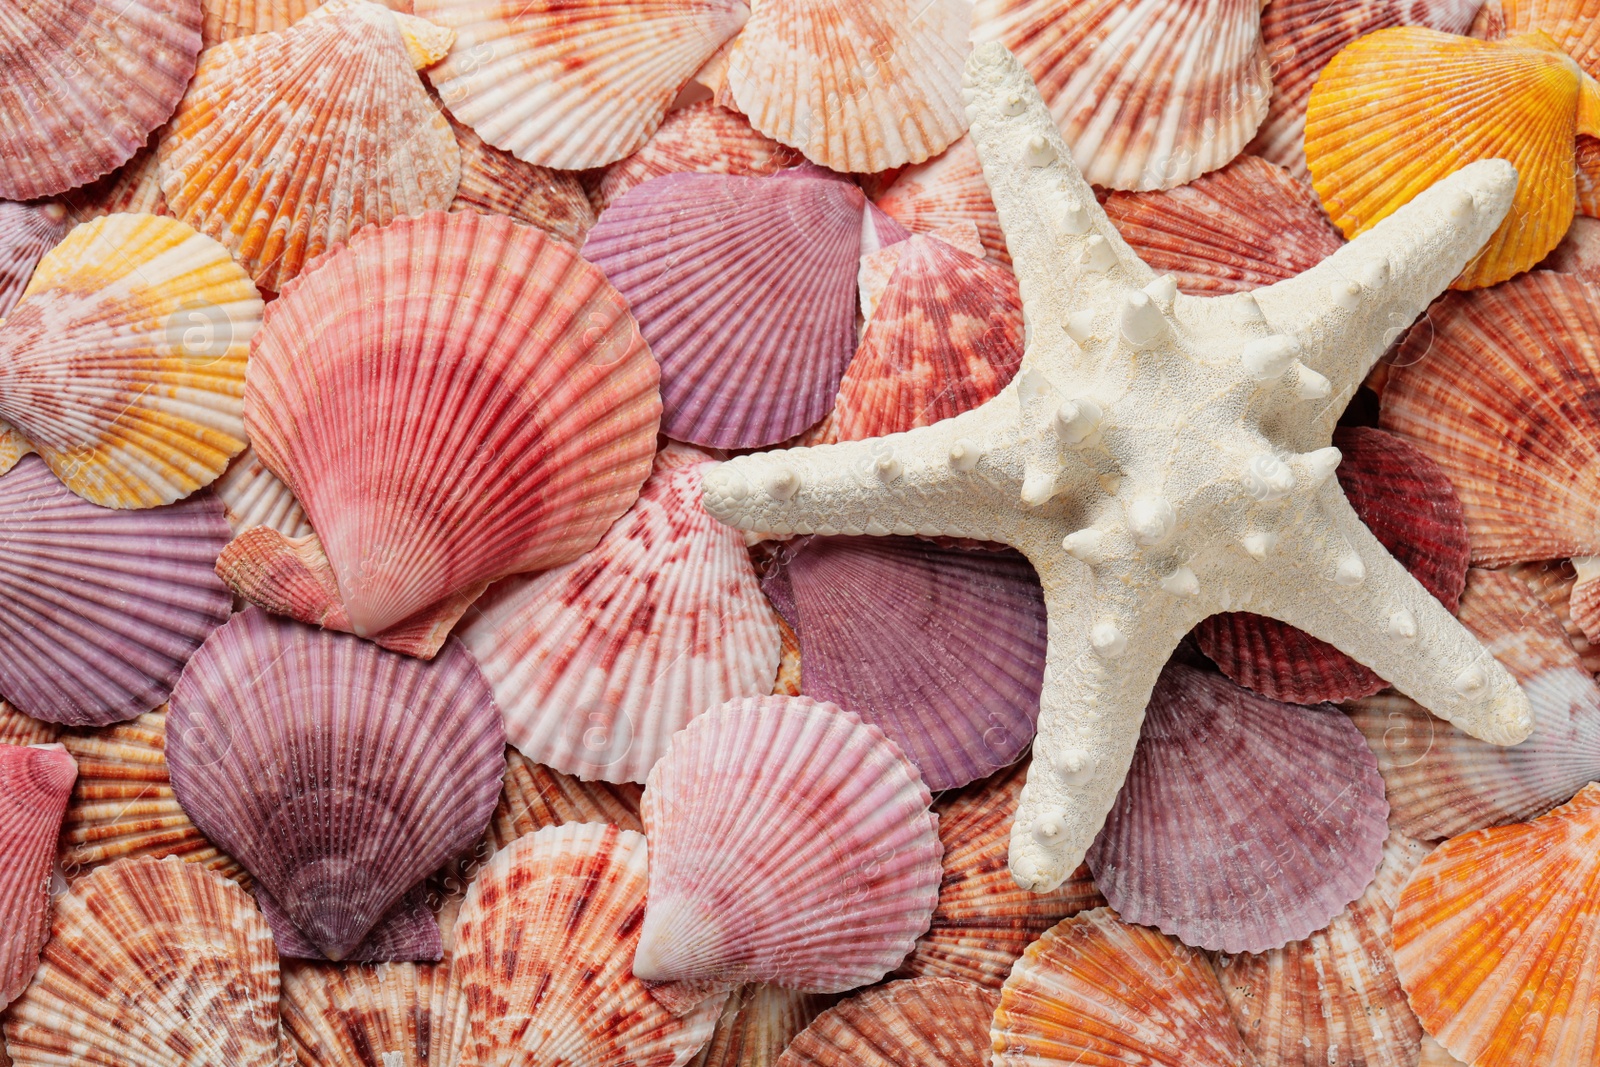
1159,458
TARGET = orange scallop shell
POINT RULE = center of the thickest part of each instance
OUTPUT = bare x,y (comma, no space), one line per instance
1552,581
227,19
757,1024
389,1015
17,728
929,1022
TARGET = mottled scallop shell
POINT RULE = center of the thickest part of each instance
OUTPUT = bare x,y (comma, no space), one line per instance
383,150
125,372
567,85
17,728
1148,94
1097,990
930,1022
595,665
252,495
1494,940
83,82
947,189
34,785
498,183
702,138
151,962
1401,108
851,813
100,609
526,372
259,747
388,1015
543,944
1552,581
1333,998
748,357
1247,225
27,232
756,1025
533,796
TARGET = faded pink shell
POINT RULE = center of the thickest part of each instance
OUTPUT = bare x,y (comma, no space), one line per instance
702,138
27,232
35,783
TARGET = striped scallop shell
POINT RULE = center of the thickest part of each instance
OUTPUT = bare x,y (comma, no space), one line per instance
151,962
252,495
855,85
34,785
1572,24
930,1022
498,183
407,931
756,1025
17,728
83,82
388,1015
1552,581
341,79
227,19
27,232
567,85
878,266
1148,94
1494,940
850,812
596,664
703,138
124,372
133,188
1097,990
788,681
948,189
534,796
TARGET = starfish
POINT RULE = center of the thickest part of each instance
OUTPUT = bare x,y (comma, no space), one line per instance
1158,458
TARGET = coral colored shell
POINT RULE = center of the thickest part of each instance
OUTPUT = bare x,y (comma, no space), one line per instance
227,19
595,665
1588,175
757,1024
1148,95
852,814
940,648
391,1015
1097,990
1245,226
1378,131
534,796
133,188
1494,940
1333,998
34,786
260,753
498,183
1243,823
17,728
1499,392
83,82
572,86
100,609
749,357
1552,581
930,1022
125,372
944,190
855,85
252,495
151,962
788,681
342,80
878,266
544,943
702,138
1408,503
27,232
1570,23
523,365
1579,251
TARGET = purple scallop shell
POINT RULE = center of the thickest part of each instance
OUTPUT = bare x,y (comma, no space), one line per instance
408,932
339,773
27,232
101,608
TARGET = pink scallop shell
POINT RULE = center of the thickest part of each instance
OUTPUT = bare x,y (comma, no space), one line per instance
947,189
703,138
27,232
35,783
133,188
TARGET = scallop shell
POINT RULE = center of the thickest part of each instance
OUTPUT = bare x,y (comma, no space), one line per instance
702,138
853,816
930,1022
82,82
1247,225
252,495
1579,251
757,1024
1434,1055
125,372
1148,95
27,232
407,931
855,85
498,183
227,19
947,189
1588,175
151,962
544,943
572,86
1097,990
595,665
260,758
534,796
1570,23
1333,999
100,609
877,267
1410,506
537,391
17,728
941,648
34,785
788,681
1376,132
1493,939
1499,392
383,149
1552,581
133,188
389,1015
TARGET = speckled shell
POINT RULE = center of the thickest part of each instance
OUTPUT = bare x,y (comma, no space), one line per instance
595,665
17,728
1552,581
702,138
853,815
1493,939
382,149
100,609
534,796
537,392
407,931
930,1022
151,962
389,1015
544,943
1148,95
34,785
572,86
1247,225
27,232
133,188
252,495
82,82
498,183
125,373
1499,392
1095,989
1333,999
756,1025
258,751
944,190
1377,133
1579,251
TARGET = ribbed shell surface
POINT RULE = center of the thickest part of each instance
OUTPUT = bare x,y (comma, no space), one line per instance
946,189
388,1015
27,232
703,138
34,786
930,1022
